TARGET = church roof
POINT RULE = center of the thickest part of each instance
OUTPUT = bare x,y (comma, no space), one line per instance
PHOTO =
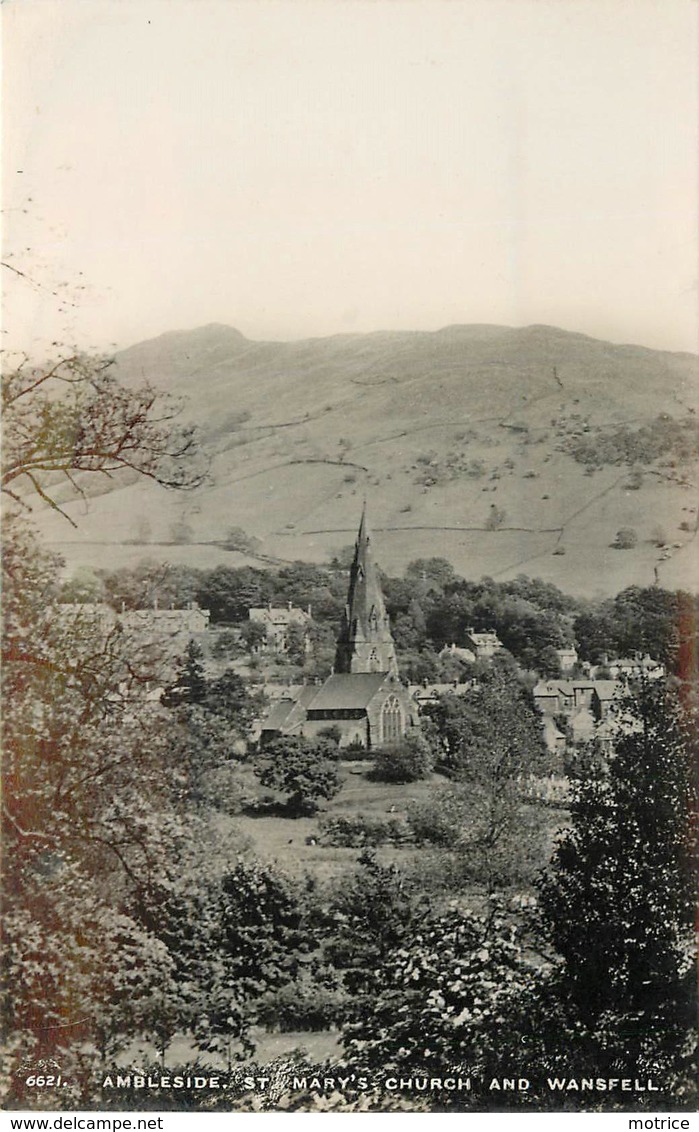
347,690
288,712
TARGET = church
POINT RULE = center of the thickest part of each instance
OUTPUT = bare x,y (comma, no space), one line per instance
363,698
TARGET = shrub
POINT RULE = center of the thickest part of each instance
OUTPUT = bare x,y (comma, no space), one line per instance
409,762
363,832
301,1007
625,539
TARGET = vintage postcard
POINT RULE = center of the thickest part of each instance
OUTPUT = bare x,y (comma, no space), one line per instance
349,557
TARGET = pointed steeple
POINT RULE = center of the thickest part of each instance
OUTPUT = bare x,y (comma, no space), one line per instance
365,643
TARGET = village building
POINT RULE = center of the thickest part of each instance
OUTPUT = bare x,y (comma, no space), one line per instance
176,627
363,699
156,637
586,706
172,627
476,646
567,658
277,620
484,644
424,694
630,668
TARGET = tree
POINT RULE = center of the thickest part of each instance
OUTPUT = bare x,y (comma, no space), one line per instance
304,769
296,641
72,416
90,817
490,742
212,718
254,635
619,897
140,586
434,573
496,518
91,808
359,943
491,730
189,685
238,539
258,943
440,997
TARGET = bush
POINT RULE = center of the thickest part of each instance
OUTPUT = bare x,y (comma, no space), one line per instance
625,539
363,832
407,763
299,1007
238,539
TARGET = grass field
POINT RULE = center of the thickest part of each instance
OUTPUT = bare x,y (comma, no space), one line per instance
292,844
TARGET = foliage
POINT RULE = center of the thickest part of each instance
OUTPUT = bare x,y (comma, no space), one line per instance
492,731
490,742
296,643
72,416
303,1006
625,871
362,832
212,719
303,769
665,436
487,837
626,539
92,811
358,942
440,998
496,518
254,634
642,620
238,539
91,817
257,947
189,686
407,762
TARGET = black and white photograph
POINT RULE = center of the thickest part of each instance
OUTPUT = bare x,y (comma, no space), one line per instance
350,475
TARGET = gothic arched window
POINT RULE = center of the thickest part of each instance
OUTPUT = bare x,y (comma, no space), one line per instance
391,721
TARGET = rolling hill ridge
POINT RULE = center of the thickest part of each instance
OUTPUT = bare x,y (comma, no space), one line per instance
504,450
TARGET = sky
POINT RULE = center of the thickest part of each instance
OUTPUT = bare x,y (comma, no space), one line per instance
298,169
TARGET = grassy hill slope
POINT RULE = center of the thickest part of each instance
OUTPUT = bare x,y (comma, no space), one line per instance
460,439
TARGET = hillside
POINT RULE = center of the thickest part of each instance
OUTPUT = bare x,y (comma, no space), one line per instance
472,442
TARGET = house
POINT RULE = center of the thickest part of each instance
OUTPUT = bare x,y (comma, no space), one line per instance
484,644
176,626
169,626
423,694
605,697
631,668
563,697
567,658
364,698
277,620
151,640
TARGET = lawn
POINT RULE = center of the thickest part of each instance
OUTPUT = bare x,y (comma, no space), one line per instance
294,843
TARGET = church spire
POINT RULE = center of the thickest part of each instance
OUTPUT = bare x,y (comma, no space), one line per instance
365,643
